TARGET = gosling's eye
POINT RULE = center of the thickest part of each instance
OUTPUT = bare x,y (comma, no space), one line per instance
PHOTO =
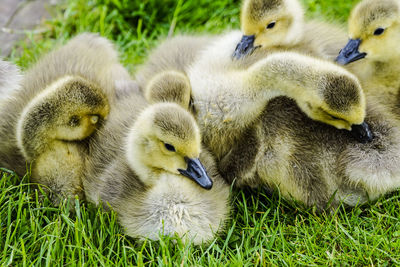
74,121
334,118
379,31
271,25
170,147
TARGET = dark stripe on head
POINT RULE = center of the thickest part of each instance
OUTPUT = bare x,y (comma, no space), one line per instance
258,8
340,93
377,10
84,92
176,122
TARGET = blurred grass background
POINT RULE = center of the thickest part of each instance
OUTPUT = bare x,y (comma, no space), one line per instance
264,230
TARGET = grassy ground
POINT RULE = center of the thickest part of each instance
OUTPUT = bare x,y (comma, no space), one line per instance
263,230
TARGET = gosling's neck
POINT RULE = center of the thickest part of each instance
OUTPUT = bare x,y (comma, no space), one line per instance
296,34
379,73
388,72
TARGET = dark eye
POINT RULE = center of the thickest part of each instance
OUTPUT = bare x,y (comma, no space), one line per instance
74,121
334,118
271,25
379,31
169,147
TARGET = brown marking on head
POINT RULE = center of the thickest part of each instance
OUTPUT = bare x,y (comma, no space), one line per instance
370,12
175,122
340,92
384,9
170,86
83,92
258,8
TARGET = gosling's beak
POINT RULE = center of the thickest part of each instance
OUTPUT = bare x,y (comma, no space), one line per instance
245,46
362,133
197,173
350,52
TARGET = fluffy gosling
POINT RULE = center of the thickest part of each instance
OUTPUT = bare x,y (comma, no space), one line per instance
63,99
373,51
279,25
153,177
374,35
228,99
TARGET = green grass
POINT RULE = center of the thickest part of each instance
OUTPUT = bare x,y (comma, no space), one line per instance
263,229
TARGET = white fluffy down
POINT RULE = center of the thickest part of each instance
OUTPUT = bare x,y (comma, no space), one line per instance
10,78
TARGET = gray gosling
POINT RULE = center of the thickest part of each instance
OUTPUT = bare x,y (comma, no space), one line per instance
147,166
311,162
271,25
63,99
228,98
373,50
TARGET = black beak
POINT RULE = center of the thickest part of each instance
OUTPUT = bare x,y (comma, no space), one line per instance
362,133
350,52
197,173
245,47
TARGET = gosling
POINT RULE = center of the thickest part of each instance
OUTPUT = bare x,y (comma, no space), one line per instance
228,99
63,99
147,165
272,25
313,163
372,52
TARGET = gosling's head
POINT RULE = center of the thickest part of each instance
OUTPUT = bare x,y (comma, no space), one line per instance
374,31
70,109
81,106
169,86
341,101
342,105
165,139
269,23
335,96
